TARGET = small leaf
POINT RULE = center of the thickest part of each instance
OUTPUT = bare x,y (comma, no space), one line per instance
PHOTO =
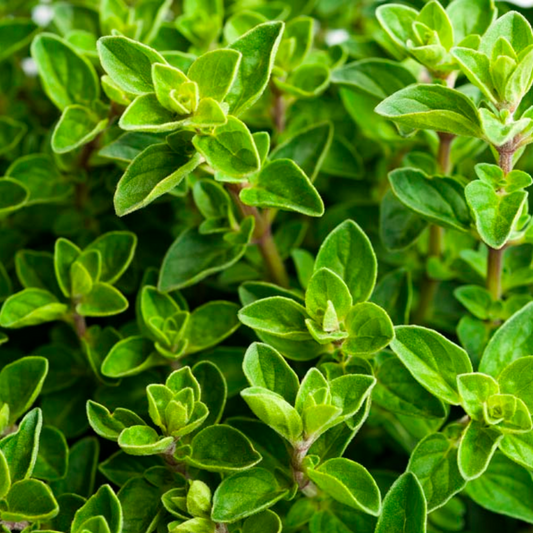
244,494
155,171
128,63
214,72
103,300
347,251
349,483
30,499
77,126
434,463
495,214
143,440
434,361
274,411
222,448
258,48
404,507
30,307
68,78
103,503
438,200
433,107
477,447
229,149
283,185
265,367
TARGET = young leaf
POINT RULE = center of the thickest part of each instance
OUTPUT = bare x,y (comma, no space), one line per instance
477,447
258,48
30,499
265,367
347,251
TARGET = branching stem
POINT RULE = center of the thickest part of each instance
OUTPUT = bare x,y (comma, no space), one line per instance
263,238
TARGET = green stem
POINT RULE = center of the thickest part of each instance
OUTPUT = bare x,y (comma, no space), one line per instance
429,287
495,259
263,238
494,273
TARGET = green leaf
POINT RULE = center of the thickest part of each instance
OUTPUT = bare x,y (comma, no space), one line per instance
146,114
30,307
438,200
505,488
77,126
265,367
265,522
513,27
496,214
369,329
39,174
52,460
194,256
433,107
230,148
30,499
347,251
214,389
307,148
397,21
435,464
215,72
128,63
258,48
277,315
5,476
477,447
103,503
110,425
65,253
434,361
143,440
516,379
20,448
283,185
349,483
274,411
155,171
130,356
222,448
21,383
103,300
244,494
68,78
475,389
306,81
15,34
375,76
394,293
397,391
210,324
11,133
470,17
13,195
511,341
518,447
404,507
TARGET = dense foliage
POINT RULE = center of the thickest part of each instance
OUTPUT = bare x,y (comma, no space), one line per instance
265,266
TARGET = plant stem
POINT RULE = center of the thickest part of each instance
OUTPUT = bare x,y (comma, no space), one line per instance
278,110
495,259
303,482
494,273
80,325
263,238
221,528
429,287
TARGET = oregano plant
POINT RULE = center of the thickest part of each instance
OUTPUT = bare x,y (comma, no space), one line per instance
266,266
